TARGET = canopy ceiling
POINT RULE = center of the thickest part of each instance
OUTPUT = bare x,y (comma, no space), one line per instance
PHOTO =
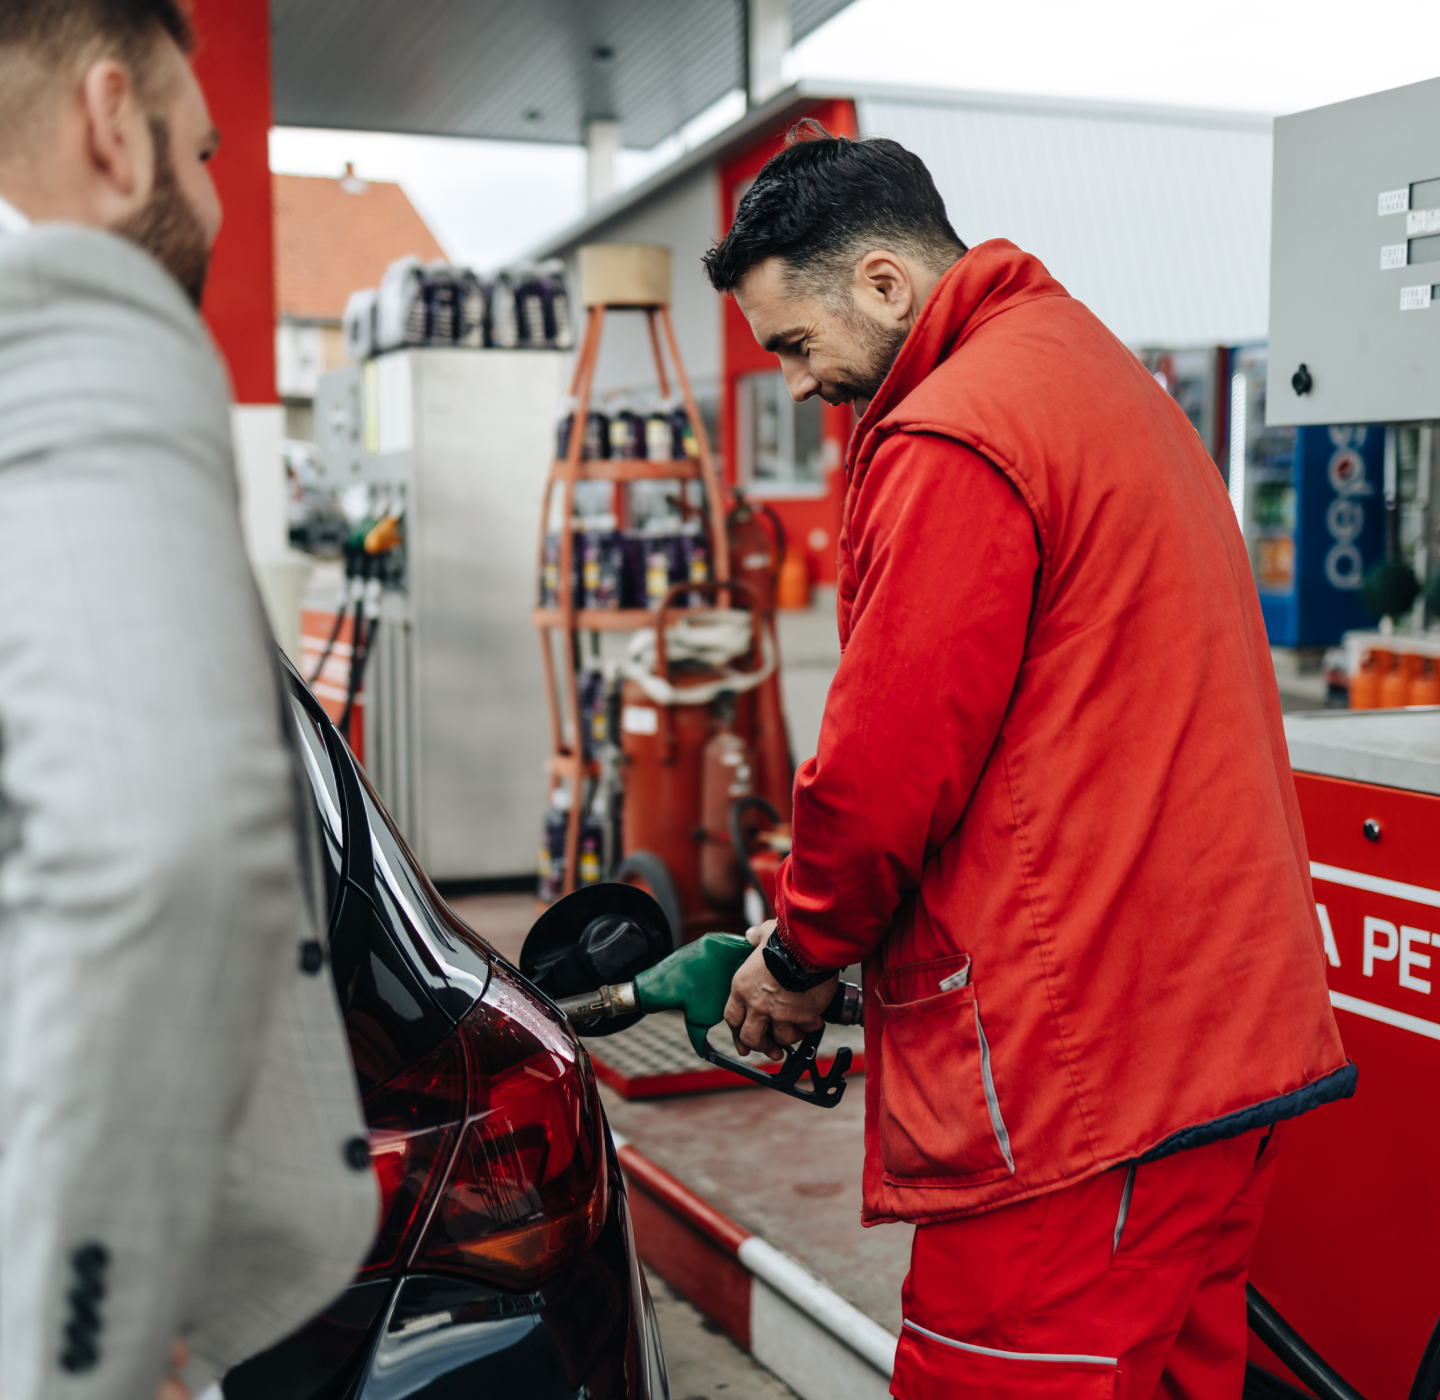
513,71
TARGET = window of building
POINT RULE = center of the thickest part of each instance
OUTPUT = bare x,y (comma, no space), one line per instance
780,449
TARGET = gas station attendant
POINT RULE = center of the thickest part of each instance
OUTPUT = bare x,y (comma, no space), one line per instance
1051,810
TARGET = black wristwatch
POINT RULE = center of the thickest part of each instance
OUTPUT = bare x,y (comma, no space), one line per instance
787,969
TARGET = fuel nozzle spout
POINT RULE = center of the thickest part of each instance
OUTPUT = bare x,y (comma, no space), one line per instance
600,1005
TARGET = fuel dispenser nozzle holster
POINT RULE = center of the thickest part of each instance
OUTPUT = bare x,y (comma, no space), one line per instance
694,980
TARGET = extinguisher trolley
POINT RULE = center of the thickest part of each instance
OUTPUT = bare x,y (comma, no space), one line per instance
629,277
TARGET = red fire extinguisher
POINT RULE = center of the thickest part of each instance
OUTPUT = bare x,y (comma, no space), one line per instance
726,774
757,545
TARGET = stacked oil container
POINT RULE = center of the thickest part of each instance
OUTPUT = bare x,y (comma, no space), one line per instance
667,545
440,305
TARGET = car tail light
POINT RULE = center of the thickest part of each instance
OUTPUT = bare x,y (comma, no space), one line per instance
414,1123
490,1151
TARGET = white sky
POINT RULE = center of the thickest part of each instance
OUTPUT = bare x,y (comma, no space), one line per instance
490,201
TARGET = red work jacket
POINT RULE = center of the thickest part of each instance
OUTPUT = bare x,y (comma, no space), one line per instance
1052,807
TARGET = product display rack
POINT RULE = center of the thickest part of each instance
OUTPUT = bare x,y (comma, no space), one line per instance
567,762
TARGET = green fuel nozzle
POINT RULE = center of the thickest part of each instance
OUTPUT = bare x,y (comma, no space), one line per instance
695,980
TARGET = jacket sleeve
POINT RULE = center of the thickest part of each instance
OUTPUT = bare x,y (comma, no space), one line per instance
150,900
945,562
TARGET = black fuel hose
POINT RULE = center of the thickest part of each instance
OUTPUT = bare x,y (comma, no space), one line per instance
737,839
340,613
359,655
1295,1352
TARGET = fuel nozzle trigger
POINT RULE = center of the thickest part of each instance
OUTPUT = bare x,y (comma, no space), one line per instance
697,979
799,1061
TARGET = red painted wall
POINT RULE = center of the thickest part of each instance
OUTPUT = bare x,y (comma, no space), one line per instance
232,61
812,521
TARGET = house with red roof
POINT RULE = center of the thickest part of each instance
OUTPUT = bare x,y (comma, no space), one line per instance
332,237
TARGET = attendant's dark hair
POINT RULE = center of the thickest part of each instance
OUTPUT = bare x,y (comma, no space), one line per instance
824,202
44,42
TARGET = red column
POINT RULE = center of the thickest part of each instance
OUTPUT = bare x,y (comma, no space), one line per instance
232,61
812,523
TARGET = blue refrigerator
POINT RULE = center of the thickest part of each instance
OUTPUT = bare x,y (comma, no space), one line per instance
1311,504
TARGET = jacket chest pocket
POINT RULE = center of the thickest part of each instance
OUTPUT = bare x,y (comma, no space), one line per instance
939,1115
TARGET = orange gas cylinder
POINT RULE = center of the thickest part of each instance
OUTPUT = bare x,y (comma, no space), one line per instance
794,587
1365,684
1425,684
1395,683
726,773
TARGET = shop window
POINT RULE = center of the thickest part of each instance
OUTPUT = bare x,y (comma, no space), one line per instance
780,448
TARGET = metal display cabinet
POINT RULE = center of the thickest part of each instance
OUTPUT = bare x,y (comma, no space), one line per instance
459,442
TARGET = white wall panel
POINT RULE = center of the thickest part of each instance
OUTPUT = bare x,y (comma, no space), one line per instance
1161,225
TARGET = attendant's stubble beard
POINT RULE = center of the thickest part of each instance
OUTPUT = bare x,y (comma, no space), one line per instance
168,228
876,349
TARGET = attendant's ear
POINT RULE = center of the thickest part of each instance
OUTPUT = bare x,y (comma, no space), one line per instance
118,142
883,287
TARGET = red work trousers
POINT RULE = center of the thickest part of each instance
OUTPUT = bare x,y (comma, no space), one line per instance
1129,1285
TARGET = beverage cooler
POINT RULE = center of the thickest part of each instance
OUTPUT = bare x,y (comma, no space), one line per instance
1311,504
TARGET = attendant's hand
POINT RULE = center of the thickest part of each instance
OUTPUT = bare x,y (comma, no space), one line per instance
172,1387
761,1014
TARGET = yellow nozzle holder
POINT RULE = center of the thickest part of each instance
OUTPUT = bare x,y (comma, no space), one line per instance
696,980
384,536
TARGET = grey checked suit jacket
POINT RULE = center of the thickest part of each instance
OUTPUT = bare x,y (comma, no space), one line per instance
177,1107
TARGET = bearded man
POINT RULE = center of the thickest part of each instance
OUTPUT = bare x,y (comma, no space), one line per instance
182,1159
1051,810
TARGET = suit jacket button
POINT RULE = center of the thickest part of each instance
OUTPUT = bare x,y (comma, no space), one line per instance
79,1356
312,957
357,1154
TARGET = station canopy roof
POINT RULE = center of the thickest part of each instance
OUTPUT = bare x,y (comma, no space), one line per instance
537,71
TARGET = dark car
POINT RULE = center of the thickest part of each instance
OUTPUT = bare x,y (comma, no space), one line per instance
504,1265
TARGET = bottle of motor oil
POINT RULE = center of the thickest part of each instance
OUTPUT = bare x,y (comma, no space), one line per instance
471,298
530,309
659,436
695,559
684,443
660,568
597,435
726,775
627,432
559,326
633,549
550,571
594,712
603,561
592,836
441,309
552,846
502,327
